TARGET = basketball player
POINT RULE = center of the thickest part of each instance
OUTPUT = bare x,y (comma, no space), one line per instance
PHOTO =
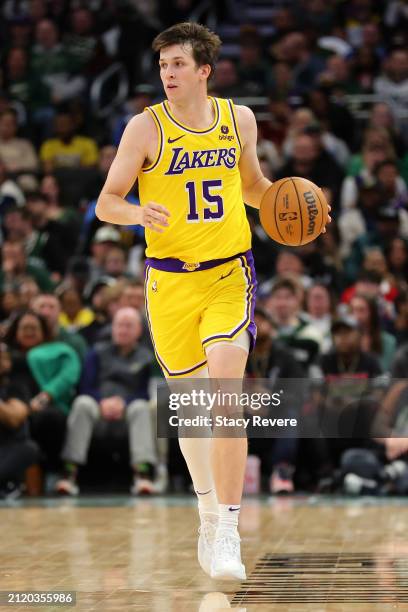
195,159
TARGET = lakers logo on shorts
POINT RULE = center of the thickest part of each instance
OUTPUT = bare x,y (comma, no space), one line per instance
190,267
154,286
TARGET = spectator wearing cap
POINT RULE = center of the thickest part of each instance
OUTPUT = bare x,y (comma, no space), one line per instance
343,400
273,361
105,237
386,227
74,315
48,306
114,387
67,149
374,340
18,154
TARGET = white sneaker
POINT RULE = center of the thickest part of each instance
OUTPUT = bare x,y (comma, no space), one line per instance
66,486
226,561
206,537
142,486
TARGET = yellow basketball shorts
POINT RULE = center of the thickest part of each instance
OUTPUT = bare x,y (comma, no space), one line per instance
190,306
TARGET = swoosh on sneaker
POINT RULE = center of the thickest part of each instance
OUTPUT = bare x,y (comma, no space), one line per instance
171,140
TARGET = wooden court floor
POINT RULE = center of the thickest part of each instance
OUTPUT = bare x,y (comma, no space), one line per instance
123,554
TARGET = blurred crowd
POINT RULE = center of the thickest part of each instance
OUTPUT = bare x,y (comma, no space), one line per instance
328,81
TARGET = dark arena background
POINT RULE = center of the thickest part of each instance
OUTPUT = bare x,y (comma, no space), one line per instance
97,511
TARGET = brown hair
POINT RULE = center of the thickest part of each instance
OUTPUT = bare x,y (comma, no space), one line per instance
205,44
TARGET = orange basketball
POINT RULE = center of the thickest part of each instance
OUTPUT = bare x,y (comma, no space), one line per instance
293,211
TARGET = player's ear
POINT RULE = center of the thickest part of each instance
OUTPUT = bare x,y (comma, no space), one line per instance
205,71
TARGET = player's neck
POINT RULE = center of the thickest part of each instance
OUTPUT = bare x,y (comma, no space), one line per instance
197,112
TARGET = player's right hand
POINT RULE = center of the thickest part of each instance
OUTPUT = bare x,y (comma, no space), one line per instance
154,217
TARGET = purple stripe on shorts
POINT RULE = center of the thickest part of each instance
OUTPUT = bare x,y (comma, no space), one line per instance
169,264
247,261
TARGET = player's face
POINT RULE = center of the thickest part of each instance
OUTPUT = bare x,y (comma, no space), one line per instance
179,73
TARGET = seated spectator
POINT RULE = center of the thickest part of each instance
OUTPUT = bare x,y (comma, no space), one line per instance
47,241
393,188
392,85
66,216
310,161
284,305
141,97
104,239
115,263
226,83
21,86
334,115
270,359
252,68
348,372
17,451
52,64
16,266
133,295
114,387
296,50
98,295
382,117
27,291
67,148
18,154
48,306
373,339
319,312
49,371
376,148
84,45
74,315
401,319
10,193
387,226
301,120
397,259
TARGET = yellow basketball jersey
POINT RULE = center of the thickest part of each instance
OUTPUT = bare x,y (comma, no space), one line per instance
195,175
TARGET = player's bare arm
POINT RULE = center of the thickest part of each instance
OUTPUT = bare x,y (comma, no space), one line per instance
137,147
254,183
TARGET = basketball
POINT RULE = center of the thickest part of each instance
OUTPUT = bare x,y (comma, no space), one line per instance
293,211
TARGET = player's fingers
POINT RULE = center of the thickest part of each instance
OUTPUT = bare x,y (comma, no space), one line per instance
158,218
159,208
329,219
153,227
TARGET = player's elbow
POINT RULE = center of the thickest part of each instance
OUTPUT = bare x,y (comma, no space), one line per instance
101,210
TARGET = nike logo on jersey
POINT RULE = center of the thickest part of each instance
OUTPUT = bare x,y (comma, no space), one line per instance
225,275
171,140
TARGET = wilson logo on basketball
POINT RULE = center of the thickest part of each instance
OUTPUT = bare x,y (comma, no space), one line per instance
312,211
